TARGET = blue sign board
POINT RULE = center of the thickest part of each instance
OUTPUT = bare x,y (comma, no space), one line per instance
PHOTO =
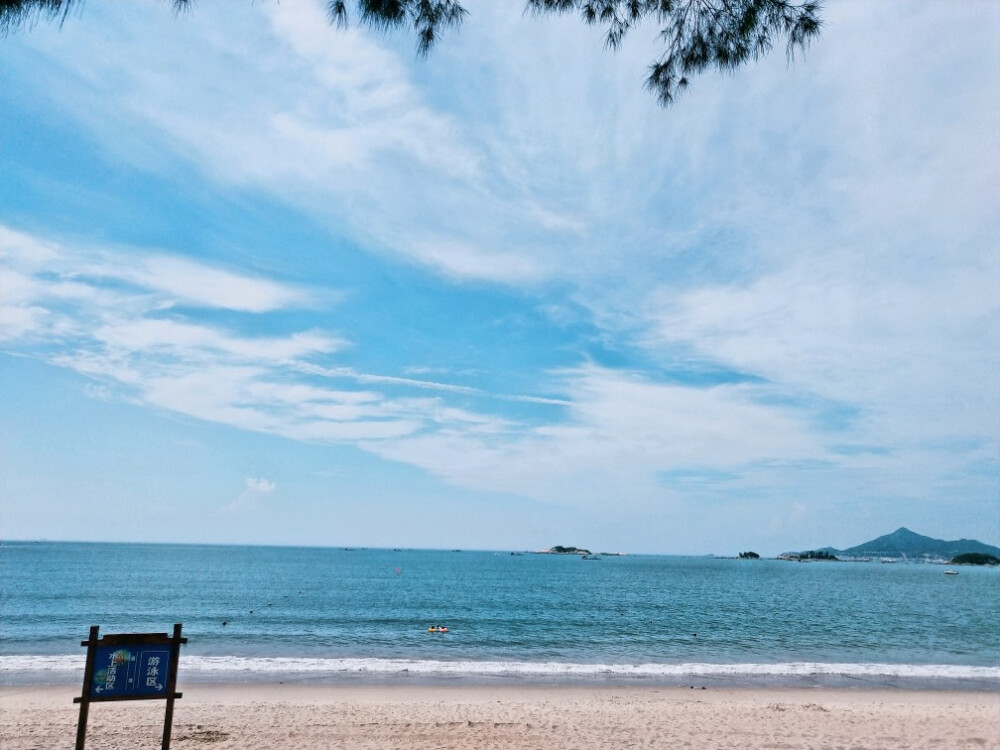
127,671
130,666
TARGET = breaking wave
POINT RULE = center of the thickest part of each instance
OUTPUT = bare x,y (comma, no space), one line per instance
240,668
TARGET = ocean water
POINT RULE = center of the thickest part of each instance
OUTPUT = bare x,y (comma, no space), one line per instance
345,615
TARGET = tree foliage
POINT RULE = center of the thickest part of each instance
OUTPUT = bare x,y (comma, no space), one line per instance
818,554
425,16
697,34
975,558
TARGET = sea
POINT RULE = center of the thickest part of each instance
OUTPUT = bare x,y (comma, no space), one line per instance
362,616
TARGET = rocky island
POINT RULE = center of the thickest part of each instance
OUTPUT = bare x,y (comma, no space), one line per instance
560,550
813,554
974,558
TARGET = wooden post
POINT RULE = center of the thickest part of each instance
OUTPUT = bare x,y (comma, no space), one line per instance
172,694
84,699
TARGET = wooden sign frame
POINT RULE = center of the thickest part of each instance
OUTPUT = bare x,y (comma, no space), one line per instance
148,664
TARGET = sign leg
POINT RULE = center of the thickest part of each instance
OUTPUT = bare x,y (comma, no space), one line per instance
84,699
168,723
172,694
81,727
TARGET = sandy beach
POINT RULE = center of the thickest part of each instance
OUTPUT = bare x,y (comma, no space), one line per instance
378,718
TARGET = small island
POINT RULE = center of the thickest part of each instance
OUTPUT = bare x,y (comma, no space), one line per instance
560,550
974,558
749,555
813,554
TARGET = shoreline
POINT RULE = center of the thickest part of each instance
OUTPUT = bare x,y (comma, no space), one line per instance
239,715
58,670
403,683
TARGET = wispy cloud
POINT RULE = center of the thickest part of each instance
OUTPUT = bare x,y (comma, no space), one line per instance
897,350
335,124
147,338
612,423
255,492
187,282
623,431
423,384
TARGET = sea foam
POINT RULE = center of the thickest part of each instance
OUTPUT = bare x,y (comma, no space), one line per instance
243,668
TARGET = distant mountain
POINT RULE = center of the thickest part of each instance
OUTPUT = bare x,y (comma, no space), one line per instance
905,543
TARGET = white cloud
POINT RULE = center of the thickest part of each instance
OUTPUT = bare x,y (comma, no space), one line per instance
48,287
622,433
156,335
909,355
260,486
623,428
334,123
17,321
122,338
563,167
193,283
464,261
255,492
24,249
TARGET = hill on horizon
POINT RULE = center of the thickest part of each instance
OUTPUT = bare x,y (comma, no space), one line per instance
905,543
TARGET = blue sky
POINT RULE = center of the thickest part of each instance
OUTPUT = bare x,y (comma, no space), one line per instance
267,281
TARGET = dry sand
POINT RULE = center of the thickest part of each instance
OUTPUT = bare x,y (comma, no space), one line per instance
297,716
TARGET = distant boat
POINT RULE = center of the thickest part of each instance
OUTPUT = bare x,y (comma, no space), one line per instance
590,557
951,572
